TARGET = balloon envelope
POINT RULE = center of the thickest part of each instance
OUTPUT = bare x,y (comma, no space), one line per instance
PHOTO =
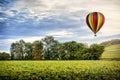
95,21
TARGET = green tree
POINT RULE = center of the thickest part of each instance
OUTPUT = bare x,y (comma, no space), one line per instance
12,51
21,48
37,50
50,49
28,51
55,51
73,50
17,50
96,51
4,56
48,43
81,54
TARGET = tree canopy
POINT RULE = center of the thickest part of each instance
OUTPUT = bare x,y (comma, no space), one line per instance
4,56
50,49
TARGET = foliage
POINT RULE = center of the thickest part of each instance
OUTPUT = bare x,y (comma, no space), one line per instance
28,51
50,49
60,70
96,51
17,50
37,50
4,56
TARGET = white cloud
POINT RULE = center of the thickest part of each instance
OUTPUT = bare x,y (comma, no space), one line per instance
62,33
5,51
20,4
2,19
27,39
46,8
5,43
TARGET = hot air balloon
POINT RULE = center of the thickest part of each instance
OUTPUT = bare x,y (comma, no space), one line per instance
95,21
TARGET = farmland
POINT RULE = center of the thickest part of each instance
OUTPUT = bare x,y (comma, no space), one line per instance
112,51
60,70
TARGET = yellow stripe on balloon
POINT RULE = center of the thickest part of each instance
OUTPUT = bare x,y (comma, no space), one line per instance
90,21
99,21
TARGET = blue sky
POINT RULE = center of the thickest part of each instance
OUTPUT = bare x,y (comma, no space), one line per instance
32,20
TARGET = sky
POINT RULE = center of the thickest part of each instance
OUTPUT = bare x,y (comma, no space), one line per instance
65,20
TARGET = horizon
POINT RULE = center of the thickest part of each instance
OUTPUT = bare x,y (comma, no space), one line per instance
64,20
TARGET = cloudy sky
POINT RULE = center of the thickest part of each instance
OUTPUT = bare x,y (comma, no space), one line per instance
32,20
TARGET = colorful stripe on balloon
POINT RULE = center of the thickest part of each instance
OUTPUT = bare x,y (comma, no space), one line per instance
95,21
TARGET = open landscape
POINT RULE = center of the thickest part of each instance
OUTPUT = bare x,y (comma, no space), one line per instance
59,39
106,69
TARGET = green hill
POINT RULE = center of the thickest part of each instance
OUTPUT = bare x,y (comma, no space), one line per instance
112,51
111,42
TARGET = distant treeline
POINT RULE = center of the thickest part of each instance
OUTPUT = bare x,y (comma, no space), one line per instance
111,42
50,49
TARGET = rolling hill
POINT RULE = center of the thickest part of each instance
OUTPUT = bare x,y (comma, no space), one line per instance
111,52
111,42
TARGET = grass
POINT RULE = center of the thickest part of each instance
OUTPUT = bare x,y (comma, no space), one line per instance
112,51
60,70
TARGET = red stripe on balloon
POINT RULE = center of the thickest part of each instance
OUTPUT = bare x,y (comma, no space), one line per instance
94,21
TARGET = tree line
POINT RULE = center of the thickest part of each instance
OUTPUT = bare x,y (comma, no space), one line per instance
50,49
4,56
111,42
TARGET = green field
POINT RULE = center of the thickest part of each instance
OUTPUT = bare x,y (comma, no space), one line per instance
60,70
112,51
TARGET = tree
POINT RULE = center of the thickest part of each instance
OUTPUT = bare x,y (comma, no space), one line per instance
28,51
50,49
96,51
70,48
54,51
21,48
48,43
4,56
82,53
12,51
73,50
17,50
37,50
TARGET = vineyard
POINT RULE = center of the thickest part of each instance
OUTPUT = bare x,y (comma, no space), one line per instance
60,70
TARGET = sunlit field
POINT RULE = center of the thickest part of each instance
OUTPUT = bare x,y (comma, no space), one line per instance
60,70
112,51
